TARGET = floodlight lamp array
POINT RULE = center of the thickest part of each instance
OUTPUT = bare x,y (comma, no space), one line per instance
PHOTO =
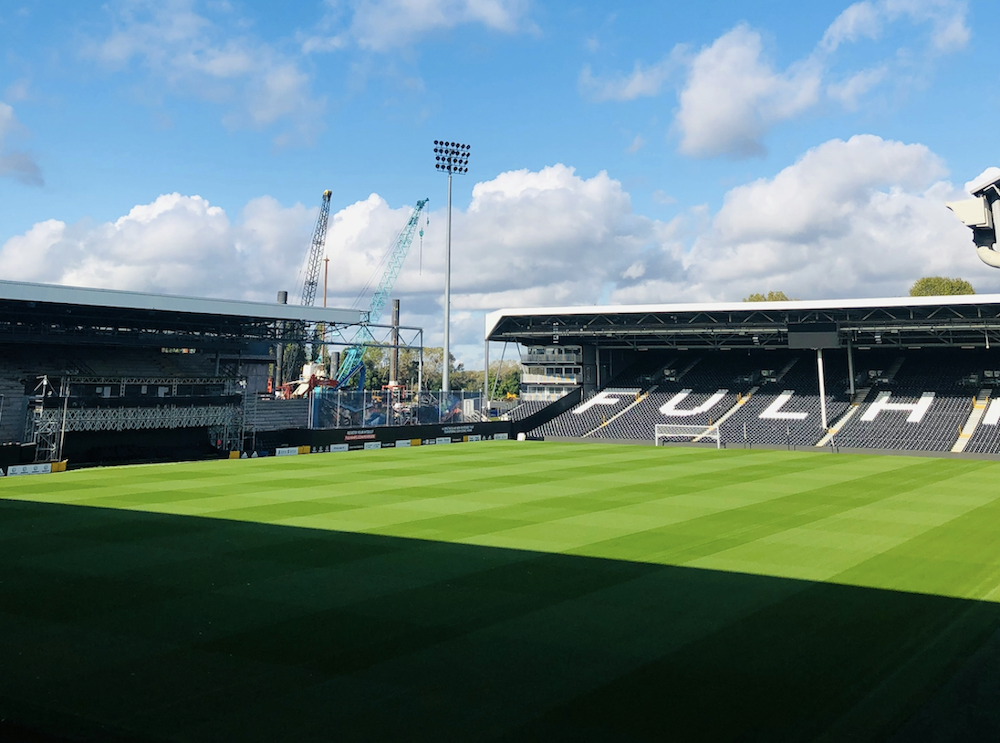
451,157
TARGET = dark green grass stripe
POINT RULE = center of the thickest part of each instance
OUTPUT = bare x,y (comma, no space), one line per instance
379,629
791,671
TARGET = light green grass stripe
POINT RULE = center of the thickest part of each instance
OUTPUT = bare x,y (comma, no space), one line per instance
826,547
792,514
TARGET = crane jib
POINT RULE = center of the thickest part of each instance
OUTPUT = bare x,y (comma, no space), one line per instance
316,249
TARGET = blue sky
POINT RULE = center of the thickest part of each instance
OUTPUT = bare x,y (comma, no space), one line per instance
646,152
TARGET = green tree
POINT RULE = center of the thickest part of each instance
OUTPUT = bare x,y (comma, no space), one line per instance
505,378
769,297
409,368
376,361
939,286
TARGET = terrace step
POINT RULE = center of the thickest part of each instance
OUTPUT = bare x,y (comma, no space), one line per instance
830,432
740,402
975,416
639,397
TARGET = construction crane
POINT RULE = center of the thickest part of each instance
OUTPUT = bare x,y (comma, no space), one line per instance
351,362
313,260
316,250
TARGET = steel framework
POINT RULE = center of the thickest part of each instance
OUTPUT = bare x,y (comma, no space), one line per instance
131,419
48,426
231,385
917,325
397,254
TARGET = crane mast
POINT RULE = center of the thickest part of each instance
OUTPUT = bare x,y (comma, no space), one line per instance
316,250
400,246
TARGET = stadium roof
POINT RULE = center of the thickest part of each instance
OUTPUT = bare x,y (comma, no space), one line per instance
72,295
970,320
48,313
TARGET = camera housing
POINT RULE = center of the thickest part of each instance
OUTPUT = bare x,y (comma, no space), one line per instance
981,214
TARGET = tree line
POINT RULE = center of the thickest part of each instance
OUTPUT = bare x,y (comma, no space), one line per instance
928,286
377,366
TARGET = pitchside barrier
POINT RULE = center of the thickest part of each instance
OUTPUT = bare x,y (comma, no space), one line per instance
307,441
303,441
36,468
689,433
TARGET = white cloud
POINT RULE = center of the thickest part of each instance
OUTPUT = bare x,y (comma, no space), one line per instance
542,237
662,198
17,164
637,144
867,19
949,31
862,217
527,238
176,245
860,20
642,82
313,44
849,91
383,25
865,217
192,55
635,271
733,96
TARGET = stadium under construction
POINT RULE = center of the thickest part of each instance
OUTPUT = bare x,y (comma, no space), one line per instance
501,591
98,376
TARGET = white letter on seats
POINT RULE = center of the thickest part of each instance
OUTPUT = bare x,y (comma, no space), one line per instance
669,408
992,416
917,409
773,411
602,398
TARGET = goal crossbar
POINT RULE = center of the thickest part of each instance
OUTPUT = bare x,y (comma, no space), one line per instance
694,433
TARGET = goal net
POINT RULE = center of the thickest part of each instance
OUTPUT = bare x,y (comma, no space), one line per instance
667,431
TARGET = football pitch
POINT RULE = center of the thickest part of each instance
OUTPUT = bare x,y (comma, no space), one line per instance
504,591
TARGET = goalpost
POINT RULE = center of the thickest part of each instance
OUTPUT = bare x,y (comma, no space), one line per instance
694,433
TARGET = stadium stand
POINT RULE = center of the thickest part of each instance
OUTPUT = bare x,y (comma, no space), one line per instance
916,402
20,371
525,409
276,415
95,375
785,408
906,400
621,392
696,391
592,412
986,439
926,370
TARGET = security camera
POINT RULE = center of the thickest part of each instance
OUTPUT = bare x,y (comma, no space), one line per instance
981,214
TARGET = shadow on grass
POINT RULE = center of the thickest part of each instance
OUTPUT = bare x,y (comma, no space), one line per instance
120,625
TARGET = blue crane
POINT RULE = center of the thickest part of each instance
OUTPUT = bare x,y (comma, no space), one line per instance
351,362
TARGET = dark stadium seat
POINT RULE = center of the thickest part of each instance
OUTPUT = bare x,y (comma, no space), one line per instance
784,407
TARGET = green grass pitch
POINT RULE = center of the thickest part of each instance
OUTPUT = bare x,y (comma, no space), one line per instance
505,591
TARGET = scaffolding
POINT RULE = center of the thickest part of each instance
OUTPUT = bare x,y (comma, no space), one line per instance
47,424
